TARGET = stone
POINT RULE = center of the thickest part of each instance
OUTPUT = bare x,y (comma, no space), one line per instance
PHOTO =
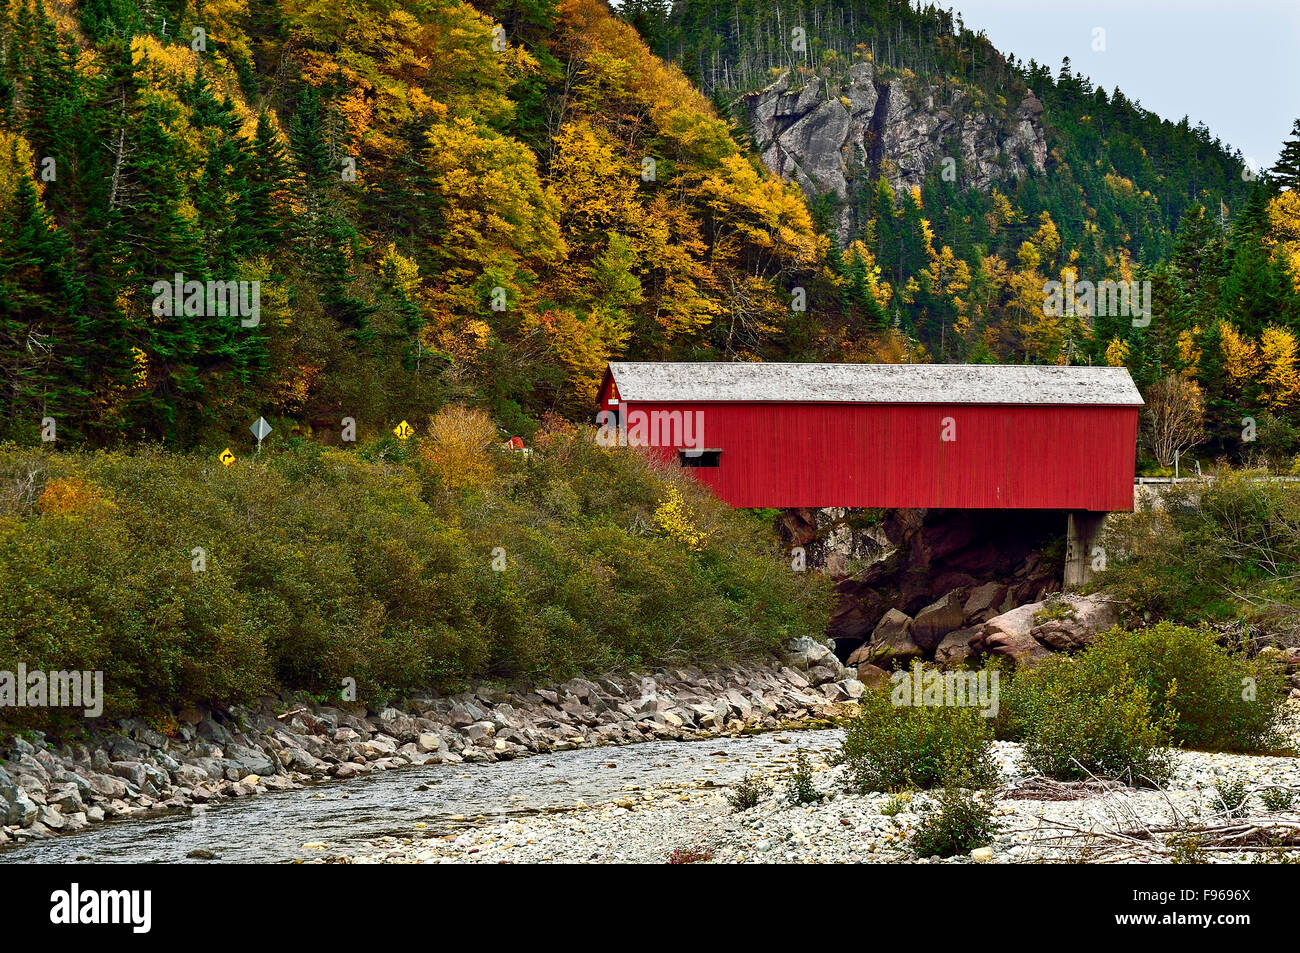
15,805
250,760
68,800
106,785
669,718
938,619
984,602
130,771
853,687
804,653
209,730
871,675
1008,635
1091,615
189,775
956,647
379,746
890,642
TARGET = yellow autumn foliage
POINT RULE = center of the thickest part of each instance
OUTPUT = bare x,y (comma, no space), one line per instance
457,449
71,496
675,519
1281,376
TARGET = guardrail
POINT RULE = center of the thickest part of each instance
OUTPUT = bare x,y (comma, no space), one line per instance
1145,481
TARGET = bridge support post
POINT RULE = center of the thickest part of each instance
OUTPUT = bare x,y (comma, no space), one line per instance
1082,528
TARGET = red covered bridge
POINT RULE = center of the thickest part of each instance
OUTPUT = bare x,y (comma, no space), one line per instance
889,435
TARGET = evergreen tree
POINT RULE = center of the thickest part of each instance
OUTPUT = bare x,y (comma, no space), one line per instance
1287,169
39,294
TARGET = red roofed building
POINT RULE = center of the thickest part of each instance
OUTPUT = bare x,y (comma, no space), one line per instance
886,435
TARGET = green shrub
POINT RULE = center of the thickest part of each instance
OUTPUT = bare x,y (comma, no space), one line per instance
1277,800
1055,609
889,747
1220,551
1218,700
1196,694
1078,721
1232,794
747,793
801,789
896,804
323,565
961,821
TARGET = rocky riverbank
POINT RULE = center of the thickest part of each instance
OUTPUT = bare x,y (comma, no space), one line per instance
132,769
1039,822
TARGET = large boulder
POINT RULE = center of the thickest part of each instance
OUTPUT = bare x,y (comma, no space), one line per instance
956,647
984,602
813,659
871,675
1009,635
1088,616
857,611
890,642
938,619
15,806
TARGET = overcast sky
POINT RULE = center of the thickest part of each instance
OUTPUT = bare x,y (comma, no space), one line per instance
1233,64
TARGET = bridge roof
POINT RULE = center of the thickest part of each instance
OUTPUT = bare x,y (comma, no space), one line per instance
874,383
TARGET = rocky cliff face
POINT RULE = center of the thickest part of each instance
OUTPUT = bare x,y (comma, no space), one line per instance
916,563
829,134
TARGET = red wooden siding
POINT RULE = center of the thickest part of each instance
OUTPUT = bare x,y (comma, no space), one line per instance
891,455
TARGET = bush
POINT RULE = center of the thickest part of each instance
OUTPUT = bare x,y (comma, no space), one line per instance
747,793
801,789
456,451
1196,694
961,821
1218,700
690,855
321,565
1220,551
890,747
1277,800
1077,721
1232,795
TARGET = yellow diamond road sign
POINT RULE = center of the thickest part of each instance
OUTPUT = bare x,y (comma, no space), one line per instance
403,430
227,458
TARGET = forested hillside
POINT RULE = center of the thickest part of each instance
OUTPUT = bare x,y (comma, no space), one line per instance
433,201
439,201
1122,195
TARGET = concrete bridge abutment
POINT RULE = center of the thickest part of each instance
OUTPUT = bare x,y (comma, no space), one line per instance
1082,529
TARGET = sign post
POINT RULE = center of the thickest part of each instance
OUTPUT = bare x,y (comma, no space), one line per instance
260,429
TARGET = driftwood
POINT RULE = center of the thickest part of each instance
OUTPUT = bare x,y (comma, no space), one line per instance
1040,788
1123,835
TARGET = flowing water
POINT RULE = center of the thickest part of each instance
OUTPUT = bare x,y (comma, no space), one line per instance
272,827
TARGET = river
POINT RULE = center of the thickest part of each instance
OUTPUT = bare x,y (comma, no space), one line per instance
273,827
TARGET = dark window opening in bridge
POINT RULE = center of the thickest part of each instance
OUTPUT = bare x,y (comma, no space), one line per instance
700,458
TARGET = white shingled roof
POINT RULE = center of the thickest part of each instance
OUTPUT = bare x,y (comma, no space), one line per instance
875,383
